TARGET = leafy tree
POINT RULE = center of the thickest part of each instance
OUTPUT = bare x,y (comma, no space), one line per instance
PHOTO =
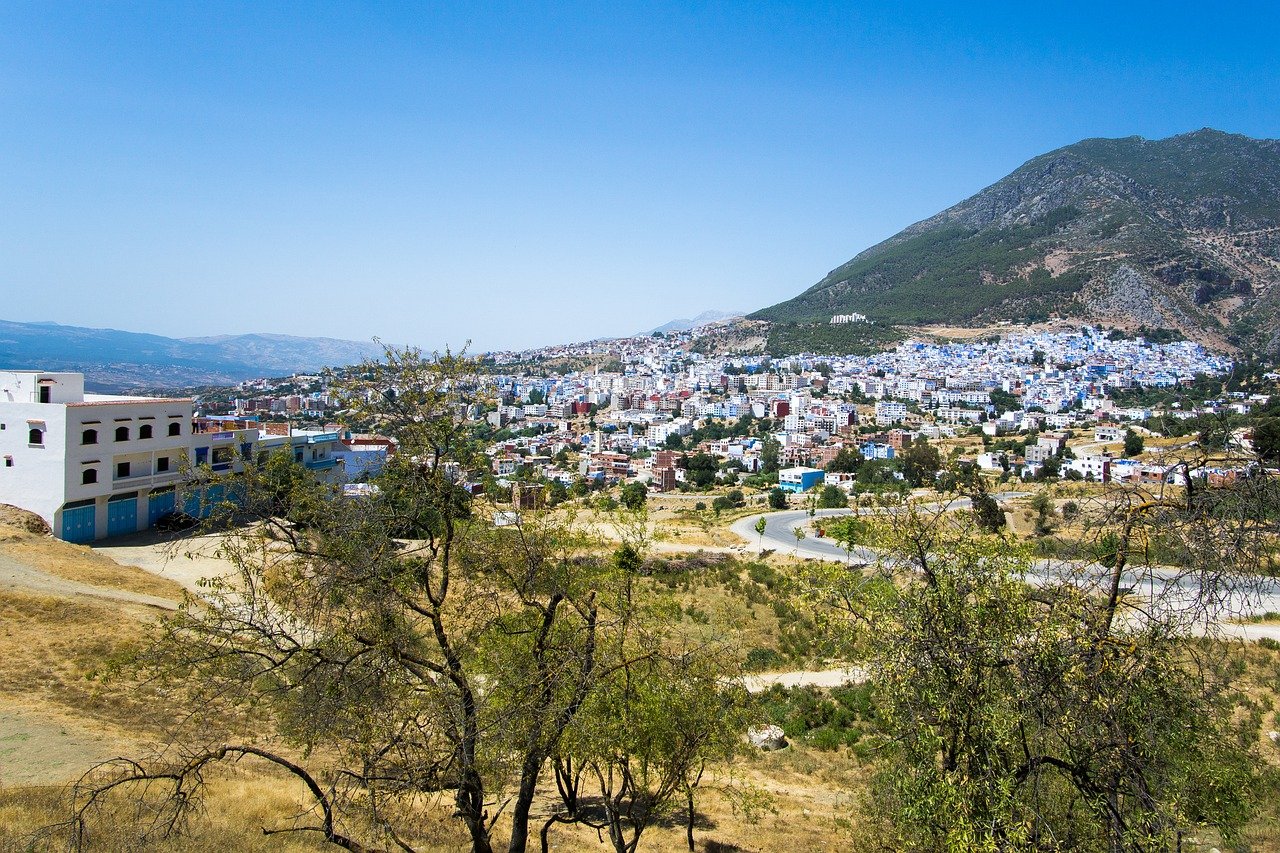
832,497
702,469
1043,513
1266,440
1004,401
769,455
777,498
920,462
847,461
760,526
375,669
634,495
644,738
736,498
1029,719
1133,443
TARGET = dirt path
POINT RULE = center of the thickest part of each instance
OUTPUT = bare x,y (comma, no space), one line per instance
184,561
16,575
805,678
40,748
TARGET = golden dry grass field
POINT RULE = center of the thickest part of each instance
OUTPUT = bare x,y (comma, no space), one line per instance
67,612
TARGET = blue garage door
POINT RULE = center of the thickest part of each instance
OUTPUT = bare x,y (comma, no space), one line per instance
79,523
158,503
122,514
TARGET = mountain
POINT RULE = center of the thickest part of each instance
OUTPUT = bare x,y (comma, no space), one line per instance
1180,233
114,360
287,353
702,319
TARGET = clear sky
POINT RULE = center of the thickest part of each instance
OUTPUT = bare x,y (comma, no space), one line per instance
535,173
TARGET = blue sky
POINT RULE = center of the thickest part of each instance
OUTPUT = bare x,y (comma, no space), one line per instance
534,173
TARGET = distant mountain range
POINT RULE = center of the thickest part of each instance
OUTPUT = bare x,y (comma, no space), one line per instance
701,320
1180,233
113,360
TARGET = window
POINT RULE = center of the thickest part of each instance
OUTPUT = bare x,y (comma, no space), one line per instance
89,436
122,470
8,462
122,433
221,458
88,475
144,431
175,428
162,463
44,393
35,436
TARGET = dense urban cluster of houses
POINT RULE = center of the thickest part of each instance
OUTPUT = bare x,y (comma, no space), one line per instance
96,465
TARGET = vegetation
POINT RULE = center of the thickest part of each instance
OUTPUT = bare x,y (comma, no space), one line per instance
823,338
468,660
935,276
1031,720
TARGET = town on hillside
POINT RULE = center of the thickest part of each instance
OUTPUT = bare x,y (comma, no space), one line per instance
648,409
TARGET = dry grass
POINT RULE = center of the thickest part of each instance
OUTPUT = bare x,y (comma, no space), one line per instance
81,564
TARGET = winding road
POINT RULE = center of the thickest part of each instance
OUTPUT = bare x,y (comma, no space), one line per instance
1158,587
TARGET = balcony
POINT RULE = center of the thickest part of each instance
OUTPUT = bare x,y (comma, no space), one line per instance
321,464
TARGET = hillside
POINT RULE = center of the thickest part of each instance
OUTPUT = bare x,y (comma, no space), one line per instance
1179,233
114,360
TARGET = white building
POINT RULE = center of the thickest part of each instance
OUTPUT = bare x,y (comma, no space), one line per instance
95,465
90,465
890,412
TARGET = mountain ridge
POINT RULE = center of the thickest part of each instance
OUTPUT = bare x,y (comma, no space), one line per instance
118,360
1177,233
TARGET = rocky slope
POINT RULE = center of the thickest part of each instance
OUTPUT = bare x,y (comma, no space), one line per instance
1180,233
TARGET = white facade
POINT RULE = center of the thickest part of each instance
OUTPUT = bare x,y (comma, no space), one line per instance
88,464
94,466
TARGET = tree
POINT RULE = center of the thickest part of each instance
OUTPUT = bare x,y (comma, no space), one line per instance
702,469
634,495
644,738
1266,440
377,668
833,497
1028,718
777,498
1043,513
920,462
847,461
769,454
1133,443
760,526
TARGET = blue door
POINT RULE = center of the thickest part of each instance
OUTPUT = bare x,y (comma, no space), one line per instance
79,523
122,516
158,503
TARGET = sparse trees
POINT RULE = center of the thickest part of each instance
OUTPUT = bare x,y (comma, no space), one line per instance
1029,718
394,645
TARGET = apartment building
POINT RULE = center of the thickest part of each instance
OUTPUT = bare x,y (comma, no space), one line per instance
89,465
94,465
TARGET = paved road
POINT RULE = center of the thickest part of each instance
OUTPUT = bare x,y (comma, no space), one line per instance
779,531
1159,587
